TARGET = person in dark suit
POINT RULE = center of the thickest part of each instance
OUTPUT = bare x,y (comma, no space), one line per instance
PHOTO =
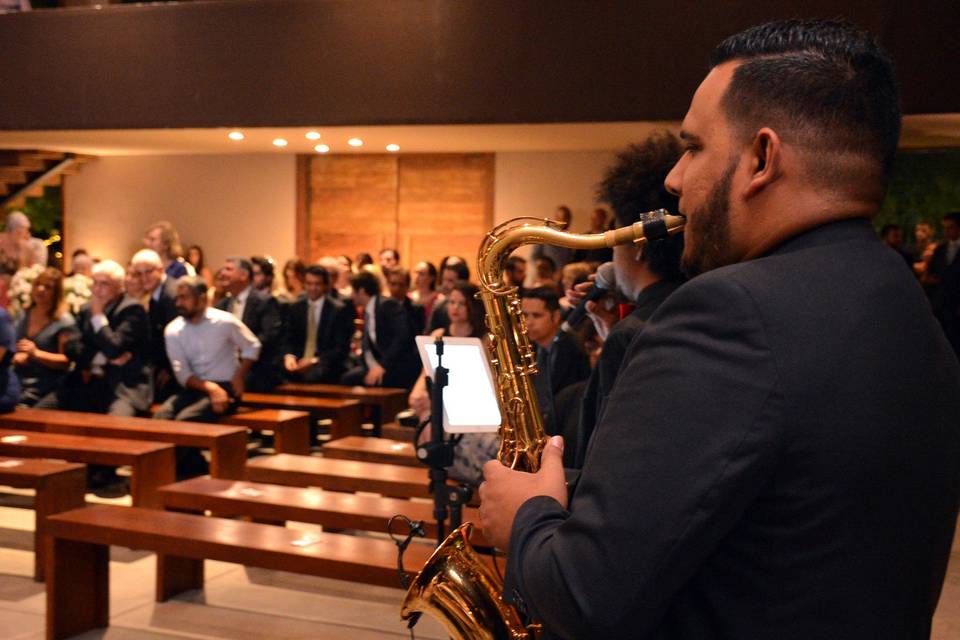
390,357
160,291
943,276
398,284
453,269
779,457
112,352
261,313
323,357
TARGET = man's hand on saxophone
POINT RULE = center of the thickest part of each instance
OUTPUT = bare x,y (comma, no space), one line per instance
504,491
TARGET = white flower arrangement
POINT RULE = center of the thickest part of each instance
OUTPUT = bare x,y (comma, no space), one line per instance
77,290
21,285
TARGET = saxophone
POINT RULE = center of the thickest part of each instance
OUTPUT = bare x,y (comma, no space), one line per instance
456,585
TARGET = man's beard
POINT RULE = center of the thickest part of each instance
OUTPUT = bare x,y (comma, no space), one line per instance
708,230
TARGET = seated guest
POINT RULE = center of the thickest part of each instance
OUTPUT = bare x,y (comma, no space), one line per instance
112,373
342,283
398,284
261,313
9,384
160,290
80,263
425,291
515,273
42,332
560,358
202,345
545,272
319,329
452,270
389,259
293,274
390,357
262,275
164,239
196,260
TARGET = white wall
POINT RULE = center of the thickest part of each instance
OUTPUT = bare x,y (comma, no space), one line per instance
228,204
246,204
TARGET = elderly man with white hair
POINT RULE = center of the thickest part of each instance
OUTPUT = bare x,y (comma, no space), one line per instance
160,291
18,244
113,372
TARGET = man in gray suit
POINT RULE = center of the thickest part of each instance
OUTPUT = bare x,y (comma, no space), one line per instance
779,458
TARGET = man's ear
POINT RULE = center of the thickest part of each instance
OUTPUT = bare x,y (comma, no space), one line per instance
765,160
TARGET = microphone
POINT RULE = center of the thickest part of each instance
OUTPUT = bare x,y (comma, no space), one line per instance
605,281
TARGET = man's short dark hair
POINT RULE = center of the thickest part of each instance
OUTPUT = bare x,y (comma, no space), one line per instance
399,271
461,269
887,228
196,284
242,263
515,261
265,264
549,296
318,271
550,261
396,254
366,281
824,86
953,216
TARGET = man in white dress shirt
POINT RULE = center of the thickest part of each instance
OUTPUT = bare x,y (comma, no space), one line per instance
211,351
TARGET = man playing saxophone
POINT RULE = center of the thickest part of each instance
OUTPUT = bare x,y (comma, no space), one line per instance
779,457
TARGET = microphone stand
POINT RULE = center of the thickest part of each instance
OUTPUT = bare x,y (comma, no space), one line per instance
437,454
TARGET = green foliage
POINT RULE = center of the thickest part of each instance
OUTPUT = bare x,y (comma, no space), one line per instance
925,186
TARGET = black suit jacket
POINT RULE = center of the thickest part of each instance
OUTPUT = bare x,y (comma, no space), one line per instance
395,348
261,314
333,336
160,313
779,459
128,331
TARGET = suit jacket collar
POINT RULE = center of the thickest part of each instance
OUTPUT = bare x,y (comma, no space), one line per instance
857,229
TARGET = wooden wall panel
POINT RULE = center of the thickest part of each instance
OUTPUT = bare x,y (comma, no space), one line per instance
426,205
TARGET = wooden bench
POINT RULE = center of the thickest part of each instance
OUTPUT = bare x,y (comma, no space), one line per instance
372,450
152,463
386,402
346,415
59,486
396,431
291,429
78,562
274,504
227,445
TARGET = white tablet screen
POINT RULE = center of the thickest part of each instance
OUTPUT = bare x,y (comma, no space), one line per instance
469,400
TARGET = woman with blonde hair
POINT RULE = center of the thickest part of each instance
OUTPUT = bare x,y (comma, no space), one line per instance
42,331
163,238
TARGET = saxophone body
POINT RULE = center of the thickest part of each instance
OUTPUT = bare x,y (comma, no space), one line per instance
456,585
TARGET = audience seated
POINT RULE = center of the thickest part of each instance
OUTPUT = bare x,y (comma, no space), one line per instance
9,384
398,284
319,329
389,357
112,351
261,313
452,270
424,291
42,333
160,290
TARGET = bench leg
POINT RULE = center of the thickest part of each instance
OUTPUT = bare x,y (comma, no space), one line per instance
228,457
150,472
292,437
78,587
55,494
176,574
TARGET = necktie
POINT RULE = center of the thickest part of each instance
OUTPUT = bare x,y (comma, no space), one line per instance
310,348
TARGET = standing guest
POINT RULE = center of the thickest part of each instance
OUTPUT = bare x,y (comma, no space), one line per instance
42,334
196,260
221,284
779,457
164,239
892,236
294,272
389,259
9,384
19,245
559,256
425,291
159,291
390,357
924,244
515,274
943,273
453,269
398,284
112,373
363,259
262,278
560,359
342,284
80,263
319,329
599,223
261,313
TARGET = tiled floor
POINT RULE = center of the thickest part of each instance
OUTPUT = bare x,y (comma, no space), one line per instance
241,603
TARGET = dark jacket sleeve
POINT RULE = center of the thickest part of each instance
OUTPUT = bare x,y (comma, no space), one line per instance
128,333
687,441
569,363
394,335
269,322
295,335
333,357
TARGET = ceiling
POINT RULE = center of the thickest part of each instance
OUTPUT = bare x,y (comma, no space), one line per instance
919,132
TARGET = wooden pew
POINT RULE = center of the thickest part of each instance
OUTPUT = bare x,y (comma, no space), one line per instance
152,463
347,415
78,579
372,450
396,431
276,504
291,429
59,486
227,445
386,402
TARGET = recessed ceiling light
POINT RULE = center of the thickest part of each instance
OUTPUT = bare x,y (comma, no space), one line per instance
279,142
235,135
355,142
313,135
321,148
393,147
